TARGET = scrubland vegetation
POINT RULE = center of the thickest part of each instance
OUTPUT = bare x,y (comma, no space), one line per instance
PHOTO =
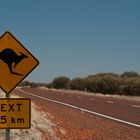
127,83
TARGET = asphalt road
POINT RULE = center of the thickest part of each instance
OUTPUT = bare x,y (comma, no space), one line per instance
118,108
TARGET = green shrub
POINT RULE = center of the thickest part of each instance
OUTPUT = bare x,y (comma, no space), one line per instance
61,82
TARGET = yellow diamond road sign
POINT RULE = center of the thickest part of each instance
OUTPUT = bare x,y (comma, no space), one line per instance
16,62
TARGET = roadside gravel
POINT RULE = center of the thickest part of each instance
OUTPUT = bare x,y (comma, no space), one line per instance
71,124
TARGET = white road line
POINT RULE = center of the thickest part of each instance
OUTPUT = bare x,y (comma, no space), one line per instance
110,102
136,106
81,109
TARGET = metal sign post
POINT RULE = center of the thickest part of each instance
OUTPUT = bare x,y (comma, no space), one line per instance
7,131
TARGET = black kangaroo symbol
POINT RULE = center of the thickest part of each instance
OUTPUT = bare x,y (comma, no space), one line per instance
10,57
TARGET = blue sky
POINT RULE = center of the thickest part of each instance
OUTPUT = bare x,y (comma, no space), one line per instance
76,38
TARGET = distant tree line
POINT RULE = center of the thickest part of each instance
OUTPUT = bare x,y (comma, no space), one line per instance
127,83
32,84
